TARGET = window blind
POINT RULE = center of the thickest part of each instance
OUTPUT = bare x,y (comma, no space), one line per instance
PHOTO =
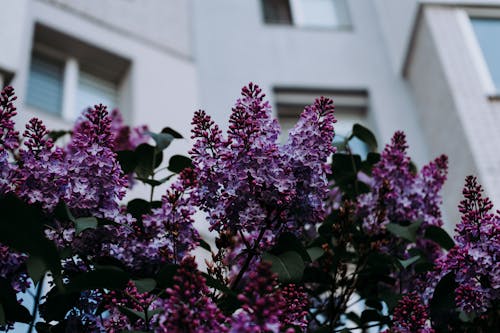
45,84
93,90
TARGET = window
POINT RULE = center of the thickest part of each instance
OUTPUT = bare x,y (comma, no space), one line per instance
45,83
68,76
350,108
5,78
487,32
307,13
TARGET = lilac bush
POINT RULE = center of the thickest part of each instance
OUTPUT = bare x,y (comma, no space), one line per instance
300,240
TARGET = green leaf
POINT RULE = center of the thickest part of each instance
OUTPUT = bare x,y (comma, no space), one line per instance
55,135
369,316
83,223
107,277
439,236
58,303
407,232
289,265
127,159
442,304
172,132
162,140
177,163
289,242
408,262
23,230
2,316
134,314
145,285
152,182
205,245
36,268
138,207
12,310
365,135
315,253
148,158
165,277
131,313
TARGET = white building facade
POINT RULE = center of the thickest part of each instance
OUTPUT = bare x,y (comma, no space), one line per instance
425,67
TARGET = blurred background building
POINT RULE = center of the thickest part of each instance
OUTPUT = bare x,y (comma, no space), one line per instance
430,68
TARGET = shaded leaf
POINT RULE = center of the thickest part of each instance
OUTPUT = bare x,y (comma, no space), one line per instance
107,277
315,253
12,310
369,316
289,265
174,133
408,262
177,163
148,158
128,160
205,245
138,207
145,285
83,223
165,277
289,242
407,232
162,140
36,268
365,135
439,236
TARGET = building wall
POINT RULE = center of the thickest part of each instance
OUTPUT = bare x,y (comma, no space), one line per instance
446,75
275,55
160,23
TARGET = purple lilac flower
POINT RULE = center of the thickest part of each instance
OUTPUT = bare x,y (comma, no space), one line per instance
164,236
266,308
126,138
9,138
13,269
130,298
475,259
410,316
399,196
42,175
188,307
96,180
248,183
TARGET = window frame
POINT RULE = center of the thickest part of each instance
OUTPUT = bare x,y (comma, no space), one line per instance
66,49
466,15
295,13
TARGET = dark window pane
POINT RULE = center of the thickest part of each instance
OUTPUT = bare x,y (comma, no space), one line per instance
277,11
45,84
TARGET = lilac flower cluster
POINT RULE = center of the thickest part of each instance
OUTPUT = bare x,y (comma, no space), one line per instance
13,269
9,137
475,260
126,138
164,236
129,298
400,196
249,183
96,182
188,307
266,308
410,316
42,176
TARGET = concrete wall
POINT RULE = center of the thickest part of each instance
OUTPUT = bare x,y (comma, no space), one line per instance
458,118
233,46
161,23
